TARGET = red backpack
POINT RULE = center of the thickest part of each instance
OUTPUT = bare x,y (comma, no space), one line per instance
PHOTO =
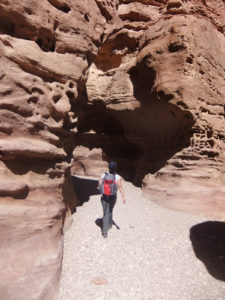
109,186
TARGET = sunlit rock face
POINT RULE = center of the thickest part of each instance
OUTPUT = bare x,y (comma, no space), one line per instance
193,176
45,49
155,101
85,82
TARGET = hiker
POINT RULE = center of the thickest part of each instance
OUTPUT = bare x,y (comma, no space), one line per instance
108,185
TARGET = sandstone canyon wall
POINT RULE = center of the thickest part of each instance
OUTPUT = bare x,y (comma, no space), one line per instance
82,82
45,48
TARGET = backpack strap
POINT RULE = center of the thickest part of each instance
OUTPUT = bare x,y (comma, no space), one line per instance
106,173
114,177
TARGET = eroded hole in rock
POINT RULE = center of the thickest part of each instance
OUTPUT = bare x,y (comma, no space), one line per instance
111,52
28,10
176,46
143,78
70,95
24,166
17,109
6,26
189,60
37,127
135,17
33,99
103,10
18,192
56,98
86,17
164,96
7,92
65,9
209,134
38,90
141,141
5,129
46,44
182,104
211,143
210,154
19,28
62,7
174,4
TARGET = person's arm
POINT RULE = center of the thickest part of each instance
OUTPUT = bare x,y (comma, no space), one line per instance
101,179
121,190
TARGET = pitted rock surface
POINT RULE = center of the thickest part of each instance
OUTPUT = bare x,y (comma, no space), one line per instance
88,81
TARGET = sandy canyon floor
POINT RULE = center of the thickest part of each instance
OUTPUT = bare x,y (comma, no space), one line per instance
150,253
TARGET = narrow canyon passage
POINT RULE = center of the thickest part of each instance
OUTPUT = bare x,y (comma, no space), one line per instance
150,254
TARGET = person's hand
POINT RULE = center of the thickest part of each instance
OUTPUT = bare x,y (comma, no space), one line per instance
124,200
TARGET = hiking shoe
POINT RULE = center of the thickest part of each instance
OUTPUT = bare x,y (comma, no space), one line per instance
104,235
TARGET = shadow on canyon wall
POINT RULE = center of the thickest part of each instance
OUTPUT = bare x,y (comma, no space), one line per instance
209,246
21,166
140,140
84,188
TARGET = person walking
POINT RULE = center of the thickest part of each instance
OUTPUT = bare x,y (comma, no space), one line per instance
108,185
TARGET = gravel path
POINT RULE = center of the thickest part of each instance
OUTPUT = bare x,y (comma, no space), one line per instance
150,257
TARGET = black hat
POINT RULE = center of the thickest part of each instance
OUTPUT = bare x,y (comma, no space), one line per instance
112,165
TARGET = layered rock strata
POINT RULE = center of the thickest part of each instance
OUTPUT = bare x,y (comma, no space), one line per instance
84,82
159,96
45,49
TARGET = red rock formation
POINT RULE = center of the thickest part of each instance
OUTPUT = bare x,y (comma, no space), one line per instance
141,82
45,50
162,91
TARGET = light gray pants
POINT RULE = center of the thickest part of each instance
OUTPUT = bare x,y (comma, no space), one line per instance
108,203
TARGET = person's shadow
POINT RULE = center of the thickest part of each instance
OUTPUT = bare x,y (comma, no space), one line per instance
99,223
84,188
208,241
